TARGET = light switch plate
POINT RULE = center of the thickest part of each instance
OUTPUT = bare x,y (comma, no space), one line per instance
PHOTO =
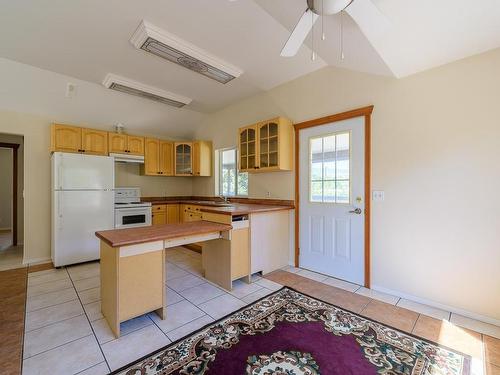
378,195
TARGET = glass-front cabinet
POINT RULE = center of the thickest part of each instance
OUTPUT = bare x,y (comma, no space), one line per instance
266,146
248,148
183,159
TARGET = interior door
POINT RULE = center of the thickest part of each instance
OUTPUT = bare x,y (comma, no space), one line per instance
332,199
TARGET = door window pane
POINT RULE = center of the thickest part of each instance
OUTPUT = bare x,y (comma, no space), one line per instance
330,168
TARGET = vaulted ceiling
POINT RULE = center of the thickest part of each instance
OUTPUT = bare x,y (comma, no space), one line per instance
87,39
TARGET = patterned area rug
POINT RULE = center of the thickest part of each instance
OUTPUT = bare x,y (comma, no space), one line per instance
289,333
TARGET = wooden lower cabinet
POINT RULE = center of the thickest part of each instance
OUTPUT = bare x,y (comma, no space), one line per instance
159,218
190,213
165,214
172,213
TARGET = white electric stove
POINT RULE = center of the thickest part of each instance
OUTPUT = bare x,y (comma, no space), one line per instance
130,212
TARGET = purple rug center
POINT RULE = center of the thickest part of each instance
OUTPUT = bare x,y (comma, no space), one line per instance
335,355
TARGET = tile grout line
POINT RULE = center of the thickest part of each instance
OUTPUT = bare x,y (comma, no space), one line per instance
88,368
88,320
56,304
53,291
57,346
59,321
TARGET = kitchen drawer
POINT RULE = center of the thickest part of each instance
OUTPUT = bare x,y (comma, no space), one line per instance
191,208
159,207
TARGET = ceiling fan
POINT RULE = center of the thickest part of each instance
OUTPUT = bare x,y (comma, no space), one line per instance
367,16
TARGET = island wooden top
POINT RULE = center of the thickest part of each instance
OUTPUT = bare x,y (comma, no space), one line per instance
134,236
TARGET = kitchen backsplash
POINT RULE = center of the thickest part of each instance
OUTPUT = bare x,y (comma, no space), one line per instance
128,175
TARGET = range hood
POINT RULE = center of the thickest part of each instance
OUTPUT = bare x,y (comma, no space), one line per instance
126,158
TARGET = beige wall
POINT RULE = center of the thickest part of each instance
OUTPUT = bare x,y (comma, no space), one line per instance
5,188
128,175
36,134
9,138
435,150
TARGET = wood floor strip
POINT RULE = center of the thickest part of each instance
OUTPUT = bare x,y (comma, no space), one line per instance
13,284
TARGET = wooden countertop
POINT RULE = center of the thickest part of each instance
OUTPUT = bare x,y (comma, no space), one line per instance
244,209
233,209
134,236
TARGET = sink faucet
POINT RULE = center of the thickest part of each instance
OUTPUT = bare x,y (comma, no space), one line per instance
224,198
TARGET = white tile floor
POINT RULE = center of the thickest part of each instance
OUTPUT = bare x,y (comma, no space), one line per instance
65,332
63,313
10,256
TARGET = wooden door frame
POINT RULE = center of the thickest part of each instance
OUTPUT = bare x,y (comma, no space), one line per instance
14,147
359,112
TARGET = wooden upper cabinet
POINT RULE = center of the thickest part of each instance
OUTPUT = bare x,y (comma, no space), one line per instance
152,157
266,146
66,138
247,148
202,158
135,145
94,142
183,158
125,144
117,143
166,161
158,157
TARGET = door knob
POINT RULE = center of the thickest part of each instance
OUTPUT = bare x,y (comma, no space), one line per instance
357,211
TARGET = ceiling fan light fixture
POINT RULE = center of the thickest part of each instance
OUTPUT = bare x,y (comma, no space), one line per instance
327,7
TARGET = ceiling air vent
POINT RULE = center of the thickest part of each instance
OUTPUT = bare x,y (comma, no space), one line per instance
170,47
128,86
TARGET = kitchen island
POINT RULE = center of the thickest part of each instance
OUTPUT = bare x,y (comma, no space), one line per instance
133,266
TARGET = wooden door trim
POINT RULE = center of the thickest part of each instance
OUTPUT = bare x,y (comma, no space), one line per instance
14,147
359,112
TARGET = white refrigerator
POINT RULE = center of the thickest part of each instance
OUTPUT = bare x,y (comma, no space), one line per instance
82,203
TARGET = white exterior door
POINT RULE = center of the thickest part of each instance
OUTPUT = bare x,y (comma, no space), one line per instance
332,199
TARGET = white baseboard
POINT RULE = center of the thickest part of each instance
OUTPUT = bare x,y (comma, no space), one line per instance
37,261
455,310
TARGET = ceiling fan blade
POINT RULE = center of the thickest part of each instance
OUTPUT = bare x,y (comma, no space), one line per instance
373,23
299,33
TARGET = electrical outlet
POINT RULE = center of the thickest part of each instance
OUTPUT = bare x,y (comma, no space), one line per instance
378,195
268,194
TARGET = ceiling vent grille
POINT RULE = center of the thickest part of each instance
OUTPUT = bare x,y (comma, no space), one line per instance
128,86
169,47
